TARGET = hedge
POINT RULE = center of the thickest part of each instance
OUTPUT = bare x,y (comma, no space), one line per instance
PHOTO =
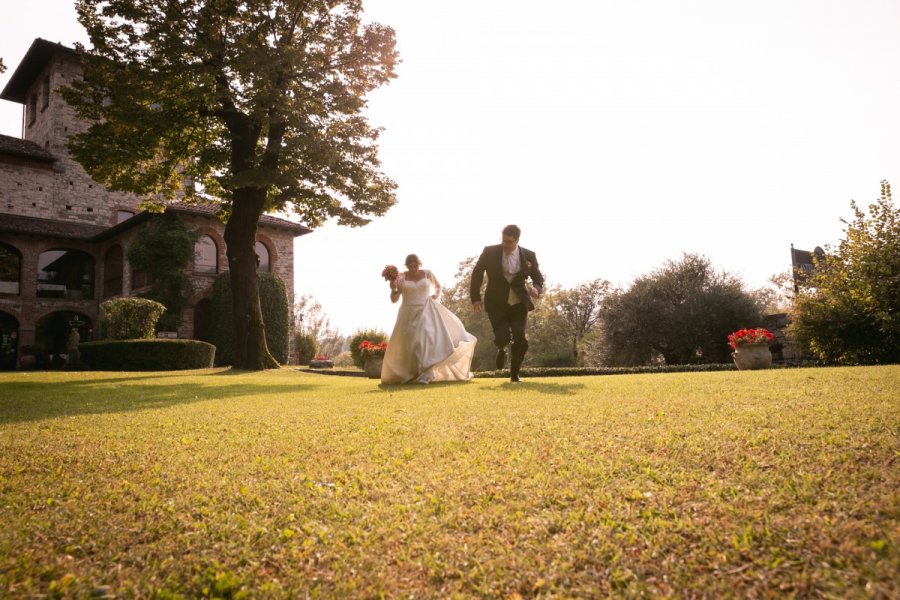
275,312
147,355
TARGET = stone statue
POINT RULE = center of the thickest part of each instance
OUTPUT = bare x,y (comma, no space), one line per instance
74,356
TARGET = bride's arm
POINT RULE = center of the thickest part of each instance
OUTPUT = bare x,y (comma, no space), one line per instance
395,288
436,284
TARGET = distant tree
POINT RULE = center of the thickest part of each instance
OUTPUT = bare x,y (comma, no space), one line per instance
310,320
778,296
580,307
683,312
258,103
849,311
456,298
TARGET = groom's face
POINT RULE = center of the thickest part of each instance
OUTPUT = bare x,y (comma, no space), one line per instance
509,243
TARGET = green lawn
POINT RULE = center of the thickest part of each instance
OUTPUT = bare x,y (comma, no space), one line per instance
212,483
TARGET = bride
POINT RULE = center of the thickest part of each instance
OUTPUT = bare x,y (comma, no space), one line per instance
429,343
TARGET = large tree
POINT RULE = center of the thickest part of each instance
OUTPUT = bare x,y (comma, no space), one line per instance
683,312
256,103
849,311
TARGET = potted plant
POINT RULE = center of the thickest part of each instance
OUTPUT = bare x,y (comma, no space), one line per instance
27,357
321,362
751,348
373,356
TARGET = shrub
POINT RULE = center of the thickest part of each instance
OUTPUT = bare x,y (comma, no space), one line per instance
275,312
306,346
344,359
131,318
147,355
163,250
373,335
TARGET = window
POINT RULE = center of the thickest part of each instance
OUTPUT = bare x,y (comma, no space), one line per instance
113,264
262,258
65,273
123,215
32,109
10,269
45,92
206,255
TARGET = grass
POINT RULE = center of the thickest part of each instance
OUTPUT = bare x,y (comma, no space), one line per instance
222,484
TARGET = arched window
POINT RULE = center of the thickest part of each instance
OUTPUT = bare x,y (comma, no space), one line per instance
113,264
10,269
263,262
206,255
64,273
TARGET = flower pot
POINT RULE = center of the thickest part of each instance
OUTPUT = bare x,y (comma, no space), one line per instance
27,362
752,356
373,367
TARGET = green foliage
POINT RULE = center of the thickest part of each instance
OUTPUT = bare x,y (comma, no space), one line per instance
373,335
273,297
683,311
130,318
262,95
163,250
147,355
306,347
849,312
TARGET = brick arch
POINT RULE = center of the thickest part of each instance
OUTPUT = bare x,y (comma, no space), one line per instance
221,258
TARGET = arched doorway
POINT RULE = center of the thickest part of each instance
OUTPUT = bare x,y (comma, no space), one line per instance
52,334
203,320
9,341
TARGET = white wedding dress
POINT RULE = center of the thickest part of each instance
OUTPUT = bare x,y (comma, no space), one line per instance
429,343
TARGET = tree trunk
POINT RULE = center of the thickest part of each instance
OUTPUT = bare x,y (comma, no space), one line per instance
250,349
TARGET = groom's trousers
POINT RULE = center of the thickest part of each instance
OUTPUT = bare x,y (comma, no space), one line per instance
508,322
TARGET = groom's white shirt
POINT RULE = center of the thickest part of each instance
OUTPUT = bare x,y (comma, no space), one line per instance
510,268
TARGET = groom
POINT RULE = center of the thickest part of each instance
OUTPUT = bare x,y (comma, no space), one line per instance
507,299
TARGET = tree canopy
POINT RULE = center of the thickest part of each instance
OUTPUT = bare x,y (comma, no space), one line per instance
257,104
849,311
683,311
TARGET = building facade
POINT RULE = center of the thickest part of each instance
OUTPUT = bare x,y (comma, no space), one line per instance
64,238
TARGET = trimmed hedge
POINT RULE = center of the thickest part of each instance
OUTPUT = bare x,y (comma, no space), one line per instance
147,355
131,318
275,312
574,371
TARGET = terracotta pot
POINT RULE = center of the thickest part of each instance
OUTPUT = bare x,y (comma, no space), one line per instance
752,356
373,367
27,362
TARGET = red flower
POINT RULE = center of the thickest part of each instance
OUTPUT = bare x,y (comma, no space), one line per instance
743,337
390,273
369,350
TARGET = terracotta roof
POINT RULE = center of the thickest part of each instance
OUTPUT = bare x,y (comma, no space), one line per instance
212,210
13,146
73,230
37,57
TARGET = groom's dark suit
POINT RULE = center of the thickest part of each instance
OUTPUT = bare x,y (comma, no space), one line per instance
507,320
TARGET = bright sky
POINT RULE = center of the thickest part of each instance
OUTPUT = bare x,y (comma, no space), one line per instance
616,134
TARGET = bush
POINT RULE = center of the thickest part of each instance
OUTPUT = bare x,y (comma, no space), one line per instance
147,355
373,335
306,346
131,318
560,358
344,359
275,312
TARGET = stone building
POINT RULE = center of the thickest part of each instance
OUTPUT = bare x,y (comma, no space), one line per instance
64,237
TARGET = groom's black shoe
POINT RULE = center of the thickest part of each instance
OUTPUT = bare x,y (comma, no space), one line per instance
515,379
501,358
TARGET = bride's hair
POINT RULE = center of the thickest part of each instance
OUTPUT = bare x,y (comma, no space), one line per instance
412,259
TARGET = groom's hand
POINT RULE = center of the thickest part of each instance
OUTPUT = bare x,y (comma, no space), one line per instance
477,307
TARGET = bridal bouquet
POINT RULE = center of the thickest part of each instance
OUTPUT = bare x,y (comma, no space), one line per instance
390,273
